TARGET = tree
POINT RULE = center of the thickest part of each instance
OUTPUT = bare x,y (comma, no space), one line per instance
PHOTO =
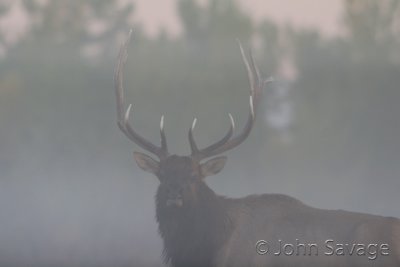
373,29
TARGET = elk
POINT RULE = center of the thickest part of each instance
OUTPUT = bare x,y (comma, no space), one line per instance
200,228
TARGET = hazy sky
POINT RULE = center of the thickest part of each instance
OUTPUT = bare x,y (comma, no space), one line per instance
156,14
302,13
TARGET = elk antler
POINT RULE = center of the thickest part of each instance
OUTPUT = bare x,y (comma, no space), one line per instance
226,143
123,116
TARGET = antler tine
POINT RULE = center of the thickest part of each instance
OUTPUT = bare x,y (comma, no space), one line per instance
199,154
123,117
162,134
253,76
227,136
118,78
193,146
226,143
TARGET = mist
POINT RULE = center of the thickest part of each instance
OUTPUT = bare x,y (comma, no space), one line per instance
70,192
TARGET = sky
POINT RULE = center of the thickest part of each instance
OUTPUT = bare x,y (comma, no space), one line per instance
155,15
324,15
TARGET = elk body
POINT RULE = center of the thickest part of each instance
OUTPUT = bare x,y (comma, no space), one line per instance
200,228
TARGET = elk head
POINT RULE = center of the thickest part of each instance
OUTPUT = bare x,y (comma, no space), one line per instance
181,177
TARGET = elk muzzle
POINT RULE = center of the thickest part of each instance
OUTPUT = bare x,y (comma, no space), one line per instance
174,198
177,202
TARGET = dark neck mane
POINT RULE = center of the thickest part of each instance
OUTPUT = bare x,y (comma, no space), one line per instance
193,233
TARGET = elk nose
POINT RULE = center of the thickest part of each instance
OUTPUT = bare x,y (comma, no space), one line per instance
175,198
177,202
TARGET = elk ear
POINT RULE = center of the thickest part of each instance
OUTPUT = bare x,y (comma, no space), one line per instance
146,163
212,166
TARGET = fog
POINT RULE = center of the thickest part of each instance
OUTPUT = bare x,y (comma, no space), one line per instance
70,192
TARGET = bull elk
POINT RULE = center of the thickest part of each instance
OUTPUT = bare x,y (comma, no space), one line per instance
201,228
